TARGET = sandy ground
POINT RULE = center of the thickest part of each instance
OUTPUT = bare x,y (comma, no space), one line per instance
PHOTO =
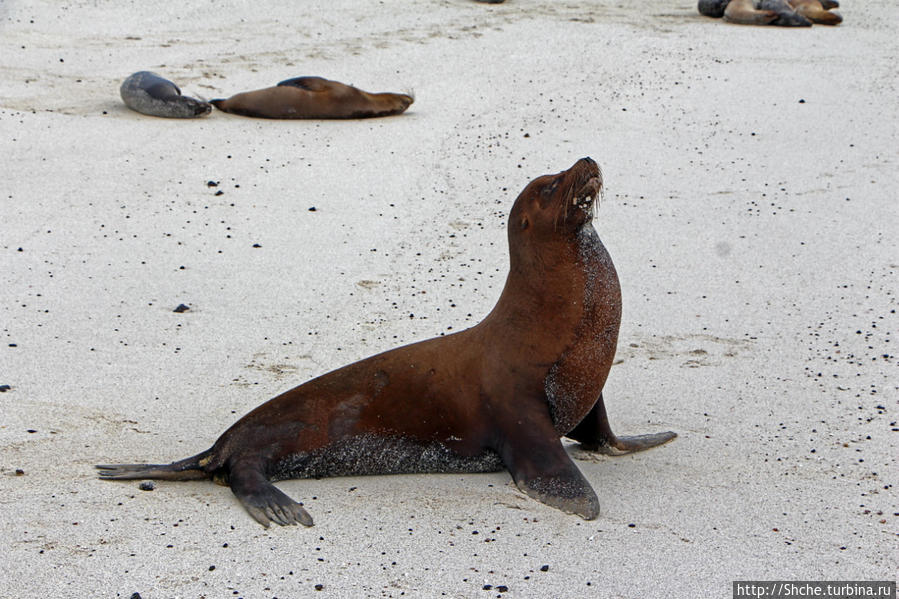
750,208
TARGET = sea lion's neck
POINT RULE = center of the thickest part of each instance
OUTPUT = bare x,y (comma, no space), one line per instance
576,378
552,283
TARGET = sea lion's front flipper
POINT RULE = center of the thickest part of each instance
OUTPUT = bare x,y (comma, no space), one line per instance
263,500
542,469
595,434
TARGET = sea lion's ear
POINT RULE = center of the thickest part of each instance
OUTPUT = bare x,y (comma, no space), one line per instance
525,223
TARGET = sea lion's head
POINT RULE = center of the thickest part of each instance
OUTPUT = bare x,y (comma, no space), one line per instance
560,204
194,107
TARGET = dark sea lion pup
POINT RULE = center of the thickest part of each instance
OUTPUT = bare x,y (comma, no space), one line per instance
497,395
148,93
314,98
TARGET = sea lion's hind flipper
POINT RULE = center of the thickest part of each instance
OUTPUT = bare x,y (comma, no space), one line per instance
186,469
265,502
312,84
541,468
595,434
631,444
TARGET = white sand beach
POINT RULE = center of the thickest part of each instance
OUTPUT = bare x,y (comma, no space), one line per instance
750,208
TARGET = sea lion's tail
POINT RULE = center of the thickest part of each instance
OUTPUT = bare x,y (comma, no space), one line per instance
187,469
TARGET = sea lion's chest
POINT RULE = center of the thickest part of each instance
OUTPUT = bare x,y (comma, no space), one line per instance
576,379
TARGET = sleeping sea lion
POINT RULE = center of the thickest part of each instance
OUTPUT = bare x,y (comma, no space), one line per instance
497,395
792,13
314,98
150,94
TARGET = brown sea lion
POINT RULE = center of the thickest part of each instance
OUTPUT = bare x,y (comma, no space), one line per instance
314,98
817,12
497,395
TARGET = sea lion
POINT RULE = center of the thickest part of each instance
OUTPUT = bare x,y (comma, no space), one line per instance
817,12
314,98
148,93
792,13
497,395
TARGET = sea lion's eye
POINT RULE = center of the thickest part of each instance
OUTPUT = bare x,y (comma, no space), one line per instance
525,223
550,188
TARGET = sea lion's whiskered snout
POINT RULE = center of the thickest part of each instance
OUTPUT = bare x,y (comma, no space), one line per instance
588,192
583,187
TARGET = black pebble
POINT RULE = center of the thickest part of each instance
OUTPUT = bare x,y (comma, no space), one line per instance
146,485
181,308
319,587
212,183
136,596
4,388
256,245
544,568
311,209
